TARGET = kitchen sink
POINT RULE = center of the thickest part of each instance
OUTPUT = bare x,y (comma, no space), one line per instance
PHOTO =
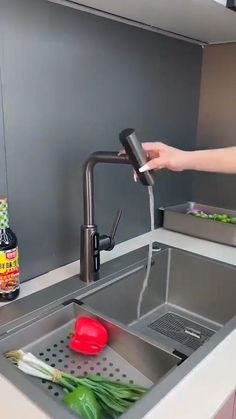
127,357
188,308
188,299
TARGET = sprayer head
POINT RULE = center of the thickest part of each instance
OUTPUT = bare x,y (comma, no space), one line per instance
137,156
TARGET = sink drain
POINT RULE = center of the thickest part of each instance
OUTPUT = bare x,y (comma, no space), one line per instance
182,330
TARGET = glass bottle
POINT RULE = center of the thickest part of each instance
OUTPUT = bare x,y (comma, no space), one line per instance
9,263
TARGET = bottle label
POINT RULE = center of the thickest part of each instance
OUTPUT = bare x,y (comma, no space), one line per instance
9,270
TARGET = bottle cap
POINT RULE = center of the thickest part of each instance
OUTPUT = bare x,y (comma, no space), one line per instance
4,221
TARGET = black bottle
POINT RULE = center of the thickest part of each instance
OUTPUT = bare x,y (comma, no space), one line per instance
9,264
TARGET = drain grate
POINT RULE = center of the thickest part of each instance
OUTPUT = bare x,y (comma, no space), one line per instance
186,332
109,363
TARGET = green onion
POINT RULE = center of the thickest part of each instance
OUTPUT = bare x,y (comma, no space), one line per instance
113,398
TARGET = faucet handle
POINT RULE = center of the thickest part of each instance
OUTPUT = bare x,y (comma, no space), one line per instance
108,242
115,224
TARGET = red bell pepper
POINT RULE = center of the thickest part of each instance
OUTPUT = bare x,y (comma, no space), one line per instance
90,336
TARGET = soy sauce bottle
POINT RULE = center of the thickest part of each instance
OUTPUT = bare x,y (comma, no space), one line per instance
9,264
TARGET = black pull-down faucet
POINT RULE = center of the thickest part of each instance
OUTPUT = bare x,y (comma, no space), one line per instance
91,241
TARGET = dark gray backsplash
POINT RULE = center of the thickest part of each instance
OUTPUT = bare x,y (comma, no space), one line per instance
217,122
71,82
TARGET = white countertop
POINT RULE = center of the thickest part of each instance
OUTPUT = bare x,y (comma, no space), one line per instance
201,393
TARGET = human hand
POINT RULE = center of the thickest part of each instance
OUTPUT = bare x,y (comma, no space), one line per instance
162,156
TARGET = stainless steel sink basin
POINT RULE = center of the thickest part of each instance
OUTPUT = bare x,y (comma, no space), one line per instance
127,357
187,300
187,305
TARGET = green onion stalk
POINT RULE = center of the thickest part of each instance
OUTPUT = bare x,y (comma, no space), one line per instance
91,397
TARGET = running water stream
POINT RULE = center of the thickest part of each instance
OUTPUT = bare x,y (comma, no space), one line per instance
149,261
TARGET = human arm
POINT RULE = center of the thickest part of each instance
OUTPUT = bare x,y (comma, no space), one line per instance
162,156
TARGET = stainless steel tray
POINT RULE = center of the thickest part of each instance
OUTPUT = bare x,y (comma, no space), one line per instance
127,358
177,219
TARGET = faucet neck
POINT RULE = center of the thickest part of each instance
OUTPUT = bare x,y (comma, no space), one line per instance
88,179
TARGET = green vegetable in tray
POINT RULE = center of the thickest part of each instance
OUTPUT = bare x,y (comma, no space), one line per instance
223,218
83,402
91,397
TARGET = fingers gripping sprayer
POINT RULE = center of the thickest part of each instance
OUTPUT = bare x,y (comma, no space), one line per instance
91,241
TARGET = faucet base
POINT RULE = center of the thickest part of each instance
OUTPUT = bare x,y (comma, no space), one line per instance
89,253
